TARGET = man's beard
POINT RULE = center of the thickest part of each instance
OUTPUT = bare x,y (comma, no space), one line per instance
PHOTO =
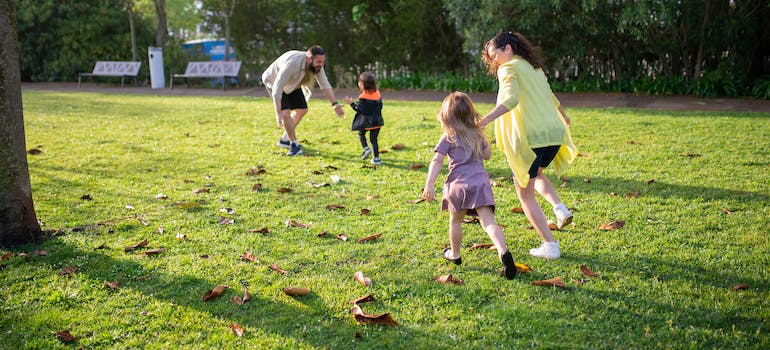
312,68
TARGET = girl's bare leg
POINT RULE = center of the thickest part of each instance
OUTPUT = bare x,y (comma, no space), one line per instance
456,232
493,230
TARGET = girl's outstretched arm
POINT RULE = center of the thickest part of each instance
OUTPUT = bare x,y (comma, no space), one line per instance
429,191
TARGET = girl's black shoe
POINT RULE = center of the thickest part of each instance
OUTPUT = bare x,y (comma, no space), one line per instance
457,261
509,268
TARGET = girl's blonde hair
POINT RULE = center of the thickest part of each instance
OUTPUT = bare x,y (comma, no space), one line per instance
459,119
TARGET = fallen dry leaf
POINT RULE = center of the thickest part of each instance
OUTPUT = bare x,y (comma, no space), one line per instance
398,146
263,230
161,196
69,270
237,329
138,245
253,171
586,271
650,181
359,276
65,336
726,211
369,238
225,221
143,221
277,268
415,201
634,194
342,237
556,282
6,256
294,223
552,225
217,291
257,187
374,196
481,246
283,190
690,155
40,252
317,185
201,190
112,285
248,256
335,179
180,236
364,318
188,205
323,233
364,299
296,292
471,220
612,226
742,286
517,210
155,251
229,211
34,151
204,256
365,211
522,267
86,197
334,207
494,183
416,166
449,279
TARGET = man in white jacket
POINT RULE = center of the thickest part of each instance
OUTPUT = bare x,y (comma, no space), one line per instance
289,81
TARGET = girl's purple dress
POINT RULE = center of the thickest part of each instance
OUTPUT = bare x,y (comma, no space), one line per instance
467,184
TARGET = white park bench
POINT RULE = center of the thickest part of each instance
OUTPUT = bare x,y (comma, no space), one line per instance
120,69
209,69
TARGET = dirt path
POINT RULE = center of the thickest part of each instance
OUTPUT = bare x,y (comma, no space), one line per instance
569,100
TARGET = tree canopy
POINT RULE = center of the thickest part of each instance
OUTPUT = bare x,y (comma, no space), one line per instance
661,46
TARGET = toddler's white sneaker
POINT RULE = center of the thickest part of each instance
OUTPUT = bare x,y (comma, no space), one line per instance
547,250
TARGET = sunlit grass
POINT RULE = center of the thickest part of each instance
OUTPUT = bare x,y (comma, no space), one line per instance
666,277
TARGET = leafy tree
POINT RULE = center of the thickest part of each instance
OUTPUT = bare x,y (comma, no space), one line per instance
59,39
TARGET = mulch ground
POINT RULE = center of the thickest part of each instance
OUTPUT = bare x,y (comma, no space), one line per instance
569,100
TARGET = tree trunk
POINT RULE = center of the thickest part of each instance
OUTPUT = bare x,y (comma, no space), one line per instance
134,54
701,42
18,222
161,34
227,8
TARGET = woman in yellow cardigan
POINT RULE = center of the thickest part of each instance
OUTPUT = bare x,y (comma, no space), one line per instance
531,129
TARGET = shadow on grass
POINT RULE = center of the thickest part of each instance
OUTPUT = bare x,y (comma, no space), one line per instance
674,275
313,323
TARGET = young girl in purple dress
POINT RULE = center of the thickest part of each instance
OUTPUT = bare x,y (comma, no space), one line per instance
466,189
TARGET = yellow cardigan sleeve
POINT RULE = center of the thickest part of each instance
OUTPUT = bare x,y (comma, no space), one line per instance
508,94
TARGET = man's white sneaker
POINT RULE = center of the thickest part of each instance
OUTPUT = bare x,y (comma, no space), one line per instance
563,215
547,250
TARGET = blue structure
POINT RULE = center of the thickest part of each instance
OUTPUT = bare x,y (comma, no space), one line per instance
214,49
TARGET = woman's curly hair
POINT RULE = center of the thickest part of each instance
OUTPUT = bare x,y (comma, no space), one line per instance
520,45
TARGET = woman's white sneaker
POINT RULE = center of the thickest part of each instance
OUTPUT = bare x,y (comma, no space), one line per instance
563,215
547,250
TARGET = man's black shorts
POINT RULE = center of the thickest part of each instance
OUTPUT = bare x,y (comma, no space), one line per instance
293,100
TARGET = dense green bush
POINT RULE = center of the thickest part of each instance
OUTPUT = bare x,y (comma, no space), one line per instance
761,89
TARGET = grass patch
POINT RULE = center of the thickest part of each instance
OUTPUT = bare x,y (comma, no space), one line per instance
665,280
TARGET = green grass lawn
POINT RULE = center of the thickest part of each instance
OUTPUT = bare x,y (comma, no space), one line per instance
698,227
